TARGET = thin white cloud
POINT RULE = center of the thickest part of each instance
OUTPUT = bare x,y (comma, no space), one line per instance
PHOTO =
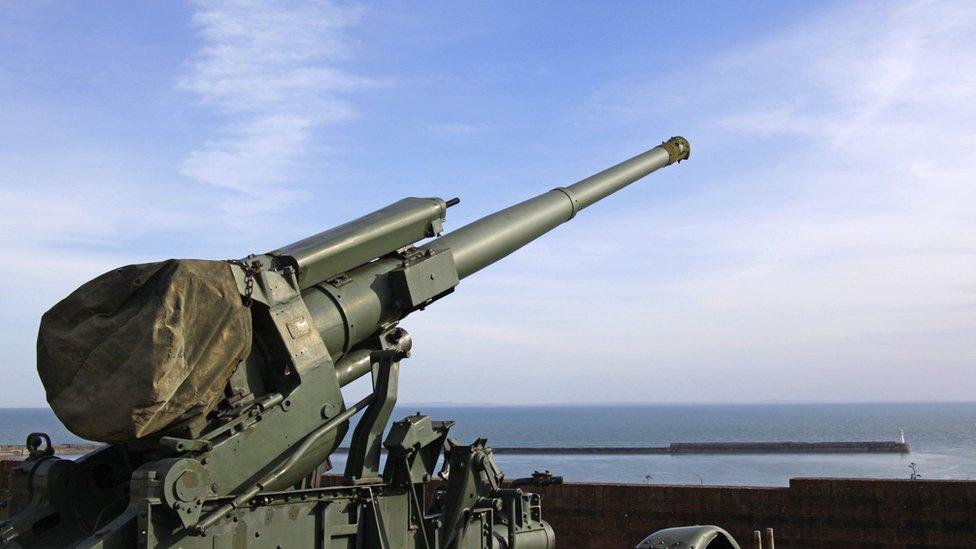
846,72
274,70
72,209
840,265
458,128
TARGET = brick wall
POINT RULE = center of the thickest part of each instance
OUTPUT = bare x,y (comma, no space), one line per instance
815,512
811,512
5,467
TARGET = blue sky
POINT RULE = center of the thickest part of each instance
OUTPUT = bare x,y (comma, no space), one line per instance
820,245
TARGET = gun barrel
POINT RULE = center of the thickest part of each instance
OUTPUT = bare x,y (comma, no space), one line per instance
382,292
495,236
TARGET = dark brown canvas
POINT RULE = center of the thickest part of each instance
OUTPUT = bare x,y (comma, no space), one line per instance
133,350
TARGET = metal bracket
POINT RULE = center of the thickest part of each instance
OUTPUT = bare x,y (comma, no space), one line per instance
413,446
185,444
363,463
39,445
301,346
423,278
186,484
339,280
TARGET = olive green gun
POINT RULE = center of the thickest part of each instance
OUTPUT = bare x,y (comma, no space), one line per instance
235,457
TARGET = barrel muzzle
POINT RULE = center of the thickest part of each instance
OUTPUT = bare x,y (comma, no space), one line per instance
487,240
678,149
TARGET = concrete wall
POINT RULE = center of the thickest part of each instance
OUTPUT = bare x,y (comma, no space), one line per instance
815,512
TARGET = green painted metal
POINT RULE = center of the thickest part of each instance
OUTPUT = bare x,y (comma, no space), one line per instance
688,537
324,313
323,256
350,311
491,238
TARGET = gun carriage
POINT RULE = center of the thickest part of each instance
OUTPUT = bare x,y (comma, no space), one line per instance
218,388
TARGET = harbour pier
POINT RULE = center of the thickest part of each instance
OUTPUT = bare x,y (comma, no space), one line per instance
677,448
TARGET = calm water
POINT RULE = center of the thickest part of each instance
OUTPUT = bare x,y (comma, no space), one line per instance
943,439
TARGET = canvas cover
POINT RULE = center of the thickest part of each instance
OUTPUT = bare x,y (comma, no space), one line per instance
139,347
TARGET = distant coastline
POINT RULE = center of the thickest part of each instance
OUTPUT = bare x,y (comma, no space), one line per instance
940,434
13,451
448,404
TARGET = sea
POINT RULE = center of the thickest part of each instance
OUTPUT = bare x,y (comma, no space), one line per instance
942,438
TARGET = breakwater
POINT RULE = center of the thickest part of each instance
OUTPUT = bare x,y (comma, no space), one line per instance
853,447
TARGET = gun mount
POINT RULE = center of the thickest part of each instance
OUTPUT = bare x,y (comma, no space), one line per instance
243,410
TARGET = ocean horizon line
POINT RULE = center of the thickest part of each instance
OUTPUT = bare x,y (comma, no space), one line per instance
611,404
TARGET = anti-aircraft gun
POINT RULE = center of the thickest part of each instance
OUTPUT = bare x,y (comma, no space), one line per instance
217,386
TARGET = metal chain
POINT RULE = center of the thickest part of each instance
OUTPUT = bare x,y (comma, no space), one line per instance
250,273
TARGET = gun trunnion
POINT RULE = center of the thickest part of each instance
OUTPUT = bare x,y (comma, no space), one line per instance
243,467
